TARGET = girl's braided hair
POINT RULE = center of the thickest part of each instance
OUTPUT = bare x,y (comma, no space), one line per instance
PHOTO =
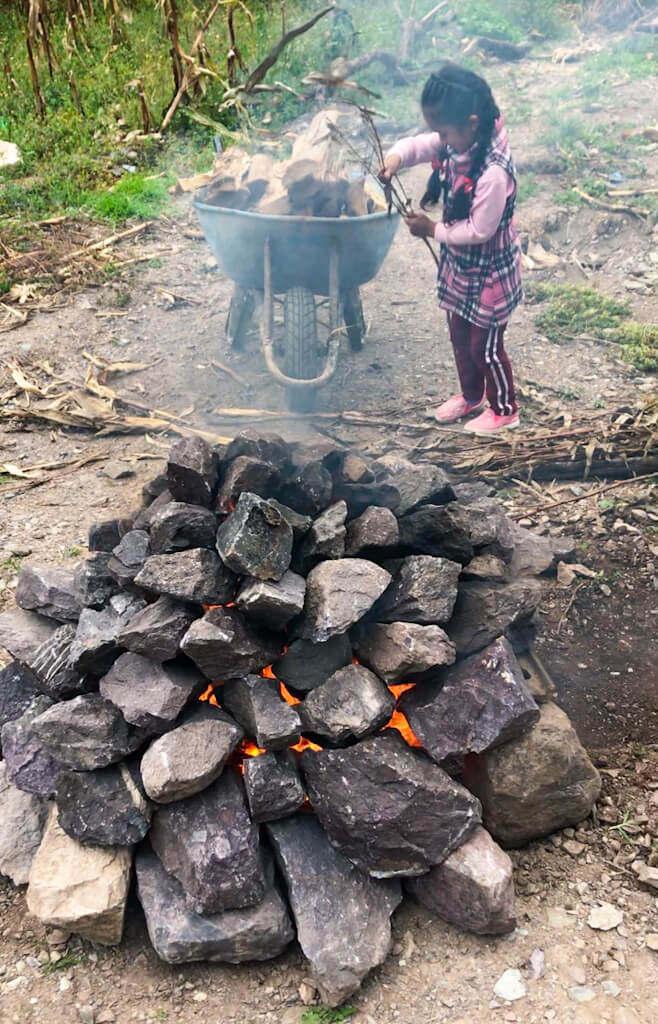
453,95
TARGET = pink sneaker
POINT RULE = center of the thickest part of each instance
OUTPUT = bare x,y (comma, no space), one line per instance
456,408
490,422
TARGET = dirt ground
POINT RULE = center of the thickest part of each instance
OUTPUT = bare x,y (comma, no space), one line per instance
598,643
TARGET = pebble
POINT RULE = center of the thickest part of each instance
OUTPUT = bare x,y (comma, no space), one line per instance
537,964
87,1015
578,975
605,917
611,988
11,986
573,847
581,993
64,984
200,997
510,985
652,941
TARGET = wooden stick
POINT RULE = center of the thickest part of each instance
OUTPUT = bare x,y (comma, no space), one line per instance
258,74
583,583
110,240
611,207
230,373
590,494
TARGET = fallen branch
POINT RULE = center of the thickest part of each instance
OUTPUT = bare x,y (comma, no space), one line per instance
105,243
610,207
258,74
590,494
229,373
189,77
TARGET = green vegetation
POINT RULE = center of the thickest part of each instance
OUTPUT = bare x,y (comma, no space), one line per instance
630,59
510,19
527,188
325,1015
573,310
12,564
626,828
72,552
62,964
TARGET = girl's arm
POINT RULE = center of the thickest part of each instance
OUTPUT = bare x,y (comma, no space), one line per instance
419,149
491,194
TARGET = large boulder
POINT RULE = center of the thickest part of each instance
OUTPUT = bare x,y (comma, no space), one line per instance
49,591
424,590
149,695
398,651
535,784
223,645
338,594
81,889
23,818
256,539
485,611
416,484
177,526
157,630
351,704
305,665
85,733
376,529
197,575
103,808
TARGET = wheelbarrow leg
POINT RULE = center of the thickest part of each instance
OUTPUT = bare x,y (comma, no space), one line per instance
354,318
240,314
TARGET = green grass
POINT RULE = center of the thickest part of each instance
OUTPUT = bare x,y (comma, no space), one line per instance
12,564
62,964
629,60
325,1015
528,187
510,19
572,310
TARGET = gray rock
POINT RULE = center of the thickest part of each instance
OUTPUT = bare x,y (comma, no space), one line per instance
197,575
441,530
223,645
23,819
190,757
491,529
468,492
417,485
192,471
255,540
180,936
268,447
152,489
472,889
305,665
157,630
51,664
398,651
376,529
85,733
338,594
148,694
96,644
485,611
299,524
272,604
359,497
129,556
348,467
309,490
532,554
424,590
274,788
106,535
49,591
209,843
386,807
256,704
536,784
477,704
22,633
486,567
325,539
145,516
351,704
18,688
30,766
177,526
95,584
103,808
342,916
246,475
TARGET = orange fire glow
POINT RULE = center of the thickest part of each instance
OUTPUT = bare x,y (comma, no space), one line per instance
398,689
287,696
399,722
209,695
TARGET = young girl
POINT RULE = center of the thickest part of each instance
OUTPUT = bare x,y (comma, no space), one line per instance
480,265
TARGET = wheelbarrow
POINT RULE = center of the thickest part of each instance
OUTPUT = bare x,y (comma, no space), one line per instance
293,260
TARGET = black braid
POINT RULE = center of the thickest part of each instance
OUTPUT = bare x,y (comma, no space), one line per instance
453,95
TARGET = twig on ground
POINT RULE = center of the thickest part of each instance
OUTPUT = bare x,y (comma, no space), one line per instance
215,363
590,494
611,207
570,604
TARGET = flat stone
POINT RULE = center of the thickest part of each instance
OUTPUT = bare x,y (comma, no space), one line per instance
157,630
129,556
338,594
103,808
22,633
85,733
477,704
190,757
49,591
30,766
510,986
648,876
473,888
246,475
96,643
351,704
116,470
416,484
179,936
485,611
472,490
51,664
255,540
581,993
95,584
23,819
256,705
305,665
342,916
267,447
486,567
536,784
148,694
387,808
18,688
224,646
424,590
309,490
274,788
402,650
107,535
272,604
192,471
209,843
325,539
81,889
359,497
299,524
605,917
376,529
177,526
532,554
440,530
197,575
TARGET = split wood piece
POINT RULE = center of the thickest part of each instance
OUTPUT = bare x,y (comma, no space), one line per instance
610,207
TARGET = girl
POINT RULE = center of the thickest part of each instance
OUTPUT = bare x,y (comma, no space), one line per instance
480,264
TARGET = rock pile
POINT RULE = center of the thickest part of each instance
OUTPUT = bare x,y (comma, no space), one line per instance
290,689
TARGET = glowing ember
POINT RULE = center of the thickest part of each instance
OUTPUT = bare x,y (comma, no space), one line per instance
400,688
305,744
209,695
267,673
287,696
399,722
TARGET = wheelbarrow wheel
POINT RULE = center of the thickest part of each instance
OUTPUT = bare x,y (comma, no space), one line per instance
354,318
300,355
240,314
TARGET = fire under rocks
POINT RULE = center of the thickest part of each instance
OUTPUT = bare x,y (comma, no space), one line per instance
291,689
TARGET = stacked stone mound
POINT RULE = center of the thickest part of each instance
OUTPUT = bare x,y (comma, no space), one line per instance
361,630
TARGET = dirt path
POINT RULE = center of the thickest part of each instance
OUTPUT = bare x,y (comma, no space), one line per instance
599,649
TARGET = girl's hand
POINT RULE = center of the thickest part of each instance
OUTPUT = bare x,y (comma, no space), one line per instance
391,166
420,226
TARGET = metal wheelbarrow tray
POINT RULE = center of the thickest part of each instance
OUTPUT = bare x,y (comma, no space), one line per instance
299,258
